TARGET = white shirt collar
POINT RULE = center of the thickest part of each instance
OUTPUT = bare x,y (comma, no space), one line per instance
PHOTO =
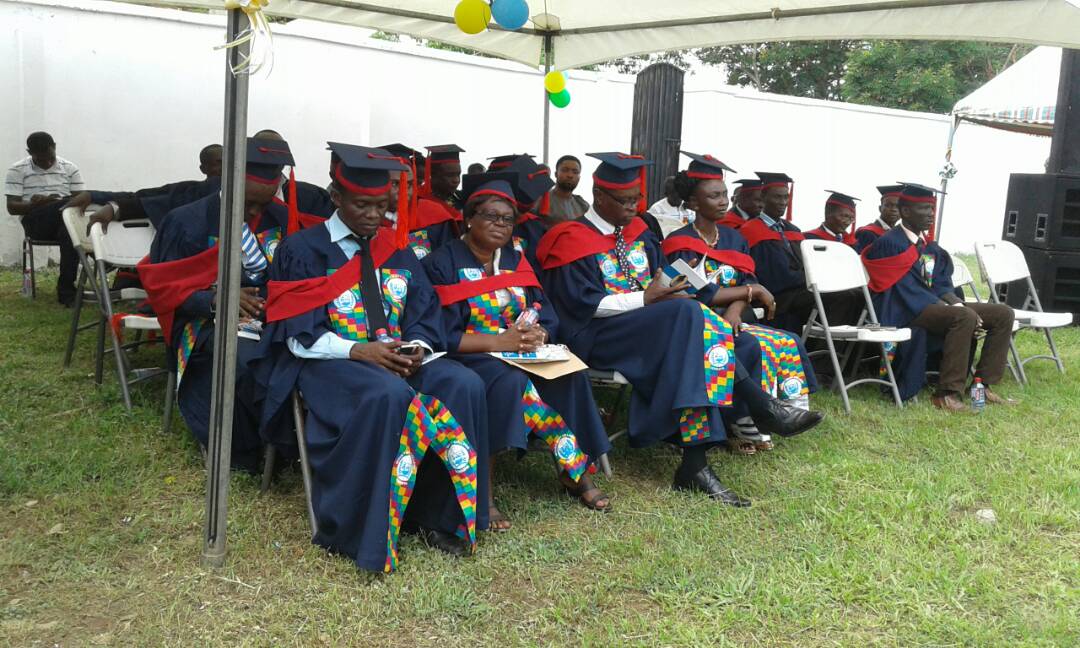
912,236
338,229
743,215
883,225
829,231
601,224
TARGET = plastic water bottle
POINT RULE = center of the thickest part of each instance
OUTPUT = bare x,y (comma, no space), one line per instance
27,283
978,396
382,336
529,317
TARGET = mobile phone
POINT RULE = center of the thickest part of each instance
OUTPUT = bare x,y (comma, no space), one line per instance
408,349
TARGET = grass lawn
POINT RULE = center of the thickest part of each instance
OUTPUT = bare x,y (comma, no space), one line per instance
862,532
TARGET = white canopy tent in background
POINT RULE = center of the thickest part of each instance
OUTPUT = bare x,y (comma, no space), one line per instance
565,34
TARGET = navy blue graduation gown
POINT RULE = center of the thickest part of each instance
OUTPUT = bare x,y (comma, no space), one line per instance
356,410
866,235
155,203
310,199
571,396
779,267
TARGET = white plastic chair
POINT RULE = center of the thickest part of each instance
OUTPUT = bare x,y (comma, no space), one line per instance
123,246
1002,263
831,266
614,380
76,222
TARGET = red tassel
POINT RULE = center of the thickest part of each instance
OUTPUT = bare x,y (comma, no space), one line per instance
415,187
427,175
117,324
790,200
294,210
643,204
401,238
545,204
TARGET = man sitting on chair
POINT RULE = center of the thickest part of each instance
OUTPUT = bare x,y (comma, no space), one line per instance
889,215
911,282
839,215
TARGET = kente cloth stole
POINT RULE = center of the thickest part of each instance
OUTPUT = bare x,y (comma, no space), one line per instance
694,424
719,363
727,277
549,425
346,312
428,424
520,244
189,335
485,315
890,354
420,243
928,261
782,372
616,281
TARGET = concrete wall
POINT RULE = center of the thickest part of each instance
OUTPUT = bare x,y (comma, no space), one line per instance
131,93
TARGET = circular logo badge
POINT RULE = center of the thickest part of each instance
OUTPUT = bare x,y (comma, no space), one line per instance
346,301
929,263
457,455
637,259
406,466
609,268
727,274
420,252
473,274
397,287
792,387
718,356
271,247
565,448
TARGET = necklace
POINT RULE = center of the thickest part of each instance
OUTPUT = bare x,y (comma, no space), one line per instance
712,243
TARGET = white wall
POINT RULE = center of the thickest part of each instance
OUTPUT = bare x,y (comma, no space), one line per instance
132,93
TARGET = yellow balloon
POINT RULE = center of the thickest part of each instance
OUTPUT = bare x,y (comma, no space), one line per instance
472,16
554,82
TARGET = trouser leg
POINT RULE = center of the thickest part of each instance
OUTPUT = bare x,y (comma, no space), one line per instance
956,325
998,321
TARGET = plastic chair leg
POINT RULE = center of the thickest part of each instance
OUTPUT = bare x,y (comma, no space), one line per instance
1018,370
76,313
170,401
269,459
121,370
1053,350
605,465
99,357
305,467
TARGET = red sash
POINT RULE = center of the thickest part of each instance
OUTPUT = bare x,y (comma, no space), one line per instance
820,233
572,240
755,231
885,272
738,260
873,228
298,220
432,211
522,277
285,299
168,284
732,220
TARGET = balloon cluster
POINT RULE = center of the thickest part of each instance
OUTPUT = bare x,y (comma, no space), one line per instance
473,16
555,84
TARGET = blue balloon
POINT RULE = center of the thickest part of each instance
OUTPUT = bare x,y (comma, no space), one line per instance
511,14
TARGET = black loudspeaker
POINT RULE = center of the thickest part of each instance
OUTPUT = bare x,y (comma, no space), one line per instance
1056,276
1042,210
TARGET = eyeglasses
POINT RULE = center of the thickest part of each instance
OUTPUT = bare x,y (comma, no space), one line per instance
629,203
492,218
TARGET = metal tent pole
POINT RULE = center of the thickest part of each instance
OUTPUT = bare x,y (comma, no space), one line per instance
946,174
547,103
228,288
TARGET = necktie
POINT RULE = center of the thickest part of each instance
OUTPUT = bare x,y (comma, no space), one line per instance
620,256
839,239
796,262
254,261
371,291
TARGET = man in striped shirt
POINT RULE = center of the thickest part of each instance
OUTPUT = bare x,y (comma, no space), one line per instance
36,187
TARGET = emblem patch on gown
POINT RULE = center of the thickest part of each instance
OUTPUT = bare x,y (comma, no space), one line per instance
792,387
609,267
457,455
637,259
566,448
396,287
928,263
727,275
406,465
472,274
346,301
718,356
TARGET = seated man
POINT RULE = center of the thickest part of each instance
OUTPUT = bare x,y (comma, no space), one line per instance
437,220
888,215
911,282
747,203
353,317
564,203
676,352
671,212
839,216
180,279
312,205
36,187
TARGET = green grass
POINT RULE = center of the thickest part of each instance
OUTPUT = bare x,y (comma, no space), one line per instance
862,533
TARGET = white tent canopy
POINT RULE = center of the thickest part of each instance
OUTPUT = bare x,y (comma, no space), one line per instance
580,32
1022,98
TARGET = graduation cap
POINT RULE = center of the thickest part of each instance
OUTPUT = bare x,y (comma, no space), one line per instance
841,200
917,193
500,162
749,184
621,171
705,167
410,155
892,190
441,154
770,179
498,183
366,171
266,158
532,180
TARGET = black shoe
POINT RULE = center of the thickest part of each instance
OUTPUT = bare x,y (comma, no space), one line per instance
706,481
778,417
67,301
445,542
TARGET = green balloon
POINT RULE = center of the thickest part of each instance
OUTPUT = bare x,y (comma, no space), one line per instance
560,99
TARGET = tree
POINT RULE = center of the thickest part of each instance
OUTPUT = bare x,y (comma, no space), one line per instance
930,76
803,69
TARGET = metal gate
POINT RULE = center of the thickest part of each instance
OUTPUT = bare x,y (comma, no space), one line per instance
657,127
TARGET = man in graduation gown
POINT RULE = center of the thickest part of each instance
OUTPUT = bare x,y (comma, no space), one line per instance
353,317
180,276
839,216
676,352
888,215
911,282
307,202
746,203
437,219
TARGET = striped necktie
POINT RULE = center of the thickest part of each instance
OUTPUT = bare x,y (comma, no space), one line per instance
254,261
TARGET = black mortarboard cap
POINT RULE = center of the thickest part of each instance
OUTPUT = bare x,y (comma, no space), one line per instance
405,152
771,179
266,157
499,183
532,182
445,153
363,170
619,170
912,192
840,199
749,184
890,190
705,167
500,162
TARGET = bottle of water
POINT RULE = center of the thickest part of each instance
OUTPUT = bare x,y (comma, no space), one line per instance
27,283
978,396
382,336
529,317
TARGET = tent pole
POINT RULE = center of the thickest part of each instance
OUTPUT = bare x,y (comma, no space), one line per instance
547,103
940,218
219,452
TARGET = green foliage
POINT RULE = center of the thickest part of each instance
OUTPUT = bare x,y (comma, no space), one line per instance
803,69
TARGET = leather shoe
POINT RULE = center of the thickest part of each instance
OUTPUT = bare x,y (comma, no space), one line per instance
779,417
948,401
706,481
995,398
447,543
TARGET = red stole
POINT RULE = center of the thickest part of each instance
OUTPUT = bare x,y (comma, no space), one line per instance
572,240
738,260
885,272
285,299
873,228
522,277
820,233
732,219
432,211
755,231
168,284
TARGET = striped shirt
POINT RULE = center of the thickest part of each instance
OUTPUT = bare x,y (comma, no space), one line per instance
24,179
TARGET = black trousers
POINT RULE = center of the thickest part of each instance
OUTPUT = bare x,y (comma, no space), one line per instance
45,223
793,307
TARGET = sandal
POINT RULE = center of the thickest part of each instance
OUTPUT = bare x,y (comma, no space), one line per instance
498,522
743,447
764,443
745,439
588,494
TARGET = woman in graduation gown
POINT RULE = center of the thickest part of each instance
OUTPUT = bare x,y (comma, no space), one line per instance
676,352
484,284
179,277
394,443
775,359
